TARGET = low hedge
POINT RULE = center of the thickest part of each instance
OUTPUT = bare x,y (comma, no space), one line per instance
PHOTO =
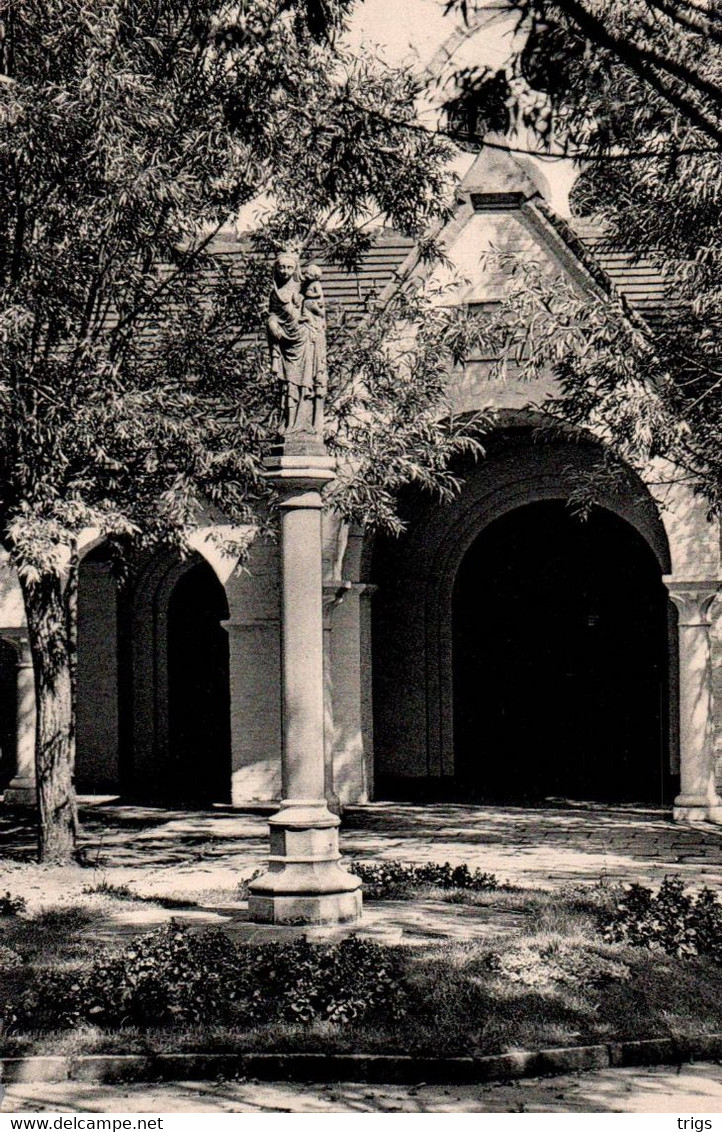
174,976
669,920
399,880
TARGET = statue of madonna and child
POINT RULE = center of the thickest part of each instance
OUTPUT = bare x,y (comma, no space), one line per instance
297,340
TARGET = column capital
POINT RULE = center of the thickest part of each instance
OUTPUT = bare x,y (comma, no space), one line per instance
693,599
300,479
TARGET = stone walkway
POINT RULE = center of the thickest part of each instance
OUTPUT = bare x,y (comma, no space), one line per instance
198,858
198,854
546,846
690,1088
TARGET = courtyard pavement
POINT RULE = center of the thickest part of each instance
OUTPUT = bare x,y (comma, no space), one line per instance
200,857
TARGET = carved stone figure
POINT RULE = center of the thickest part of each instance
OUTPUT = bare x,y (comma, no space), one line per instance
297,340
313,316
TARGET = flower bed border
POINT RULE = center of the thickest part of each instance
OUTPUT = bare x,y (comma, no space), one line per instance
370,1068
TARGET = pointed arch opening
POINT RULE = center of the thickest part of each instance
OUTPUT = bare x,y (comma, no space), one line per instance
518,651
198,721
560,675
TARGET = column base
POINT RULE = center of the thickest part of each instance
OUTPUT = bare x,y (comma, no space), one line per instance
305,884
691,809
21,792
328,908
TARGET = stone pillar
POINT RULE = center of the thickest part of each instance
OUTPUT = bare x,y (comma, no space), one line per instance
305,883
22,789
255,687
698,799
349,729
333,594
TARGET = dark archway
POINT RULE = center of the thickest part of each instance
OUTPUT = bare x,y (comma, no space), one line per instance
560,660
199,737
416,752
97,763
8,712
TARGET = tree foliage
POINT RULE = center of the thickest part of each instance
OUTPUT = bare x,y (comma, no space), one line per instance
634,91
565,52
132,132
133,387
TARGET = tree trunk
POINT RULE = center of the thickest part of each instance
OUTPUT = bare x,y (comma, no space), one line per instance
50,607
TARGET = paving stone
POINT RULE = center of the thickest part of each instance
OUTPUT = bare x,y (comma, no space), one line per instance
202,855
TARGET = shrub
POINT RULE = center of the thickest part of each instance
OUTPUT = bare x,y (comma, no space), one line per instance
12,905
164,975
113,891
549,965
9,959
671,921
175,976
398,880
342,982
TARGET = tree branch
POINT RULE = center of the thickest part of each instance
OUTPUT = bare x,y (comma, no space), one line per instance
687,21
643,61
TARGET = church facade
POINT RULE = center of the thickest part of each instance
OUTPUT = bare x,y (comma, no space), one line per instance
499,650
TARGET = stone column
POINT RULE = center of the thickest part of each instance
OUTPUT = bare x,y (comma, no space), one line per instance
698,799
349,731
255,685
333,594
22,789
305,883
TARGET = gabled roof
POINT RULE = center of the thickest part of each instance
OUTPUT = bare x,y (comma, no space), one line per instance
496,181
640,280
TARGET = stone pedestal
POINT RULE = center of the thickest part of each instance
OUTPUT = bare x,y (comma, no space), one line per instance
698,799
22,789
305,883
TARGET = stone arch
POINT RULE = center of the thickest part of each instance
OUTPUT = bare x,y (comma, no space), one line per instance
412,624
151,770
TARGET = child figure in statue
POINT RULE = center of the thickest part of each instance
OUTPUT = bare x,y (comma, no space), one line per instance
313,315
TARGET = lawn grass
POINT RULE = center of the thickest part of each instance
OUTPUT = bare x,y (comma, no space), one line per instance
550,980
124,894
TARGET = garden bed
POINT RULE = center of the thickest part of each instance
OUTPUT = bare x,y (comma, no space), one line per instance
580,967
